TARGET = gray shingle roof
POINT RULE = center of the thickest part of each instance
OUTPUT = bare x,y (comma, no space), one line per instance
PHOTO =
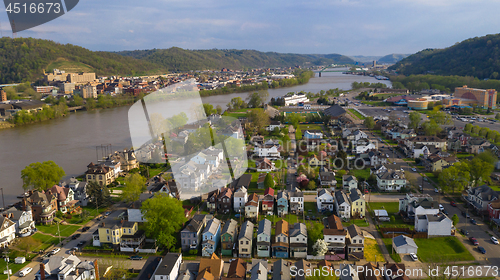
246,230
264,227
404,240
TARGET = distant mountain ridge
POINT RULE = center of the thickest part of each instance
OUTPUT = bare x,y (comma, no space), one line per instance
477,57
177,59
25,59
389,59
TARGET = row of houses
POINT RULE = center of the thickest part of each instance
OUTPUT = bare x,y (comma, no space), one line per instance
347,205
172,267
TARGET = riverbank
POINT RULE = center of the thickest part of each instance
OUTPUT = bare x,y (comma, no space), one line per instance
107,102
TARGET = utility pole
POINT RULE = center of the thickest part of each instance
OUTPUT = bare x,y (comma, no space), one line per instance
58,232
6,259
3,200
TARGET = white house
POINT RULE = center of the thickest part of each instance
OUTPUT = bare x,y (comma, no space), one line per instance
335,234
404,245
365,147
7,231
342,205
273,125
324,201
327,178
391,180
349,182
23,219
271,152
240,198
435,225
309,134
169,267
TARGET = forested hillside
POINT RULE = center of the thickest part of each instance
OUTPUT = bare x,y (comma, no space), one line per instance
177,59
477,57
25,59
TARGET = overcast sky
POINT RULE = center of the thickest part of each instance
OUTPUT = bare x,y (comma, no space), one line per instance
364,27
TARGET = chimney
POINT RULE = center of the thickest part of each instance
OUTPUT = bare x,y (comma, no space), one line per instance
42,271
102,224
96,267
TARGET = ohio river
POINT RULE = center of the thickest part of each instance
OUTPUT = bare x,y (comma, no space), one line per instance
71,141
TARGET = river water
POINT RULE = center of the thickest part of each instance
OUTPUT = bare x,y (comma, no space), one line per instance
71,141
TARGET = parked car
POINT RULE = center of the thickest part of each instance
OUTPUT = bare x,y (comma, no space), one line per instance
75,236
436,190
452,203
136,258
55,251
441,207
413,256
464,232
107,213
81,243
482,250
473,241
472,221
414,169
84,229
494,240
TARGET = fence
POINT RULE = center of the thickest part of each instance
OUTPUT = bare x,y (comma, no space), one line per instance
311,257
393,232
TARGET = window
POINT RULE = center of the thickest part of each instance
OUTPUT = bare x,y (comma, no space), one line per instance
113,232
241,242
353,241
129,230
247,242
124,230
108,237
107,231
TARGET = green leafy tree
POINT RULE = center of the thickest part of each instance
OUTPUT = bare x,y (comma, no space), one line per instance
294,119
314,232
99,195
455,220
257,99
415,118
259,118
237,103
468,128
269,181
480,170
135,184
164,217
41,176
454,178
431,128
497,116
209,109
311,185
369,123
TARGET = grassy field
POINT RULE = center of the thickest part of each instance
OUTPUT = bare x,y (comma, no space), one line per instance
66,230
357,114
358,222
372,251
46,240
361,173
377,103
442,250
305,127
391,207
69,66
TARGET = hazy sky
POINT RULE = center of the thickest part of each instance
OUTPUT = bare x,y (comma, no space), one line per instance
364,27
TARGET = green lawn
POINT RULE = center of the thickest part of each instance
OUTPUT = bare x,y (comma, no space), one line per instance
461,155
442,250
377,103
358,222
46,240
391,207
66,230
372,251
361,173
305,127
357,114
12,266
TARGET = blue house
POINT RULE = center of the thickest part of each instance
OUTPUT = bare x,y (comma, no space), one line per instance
264,239
210,237
282,203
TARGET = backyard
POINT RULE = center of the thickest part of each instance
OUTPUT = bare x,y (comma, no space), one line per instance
66,230
442,250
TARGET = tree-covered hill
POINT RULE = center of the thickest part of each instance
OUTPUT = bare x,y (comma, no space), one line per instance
177,59
391,58
478,57
25,59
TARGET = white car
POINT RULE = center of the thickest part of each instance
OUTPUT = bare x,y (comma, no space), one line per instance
414,169
413,256
494,240
441,208
436,190
55,251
